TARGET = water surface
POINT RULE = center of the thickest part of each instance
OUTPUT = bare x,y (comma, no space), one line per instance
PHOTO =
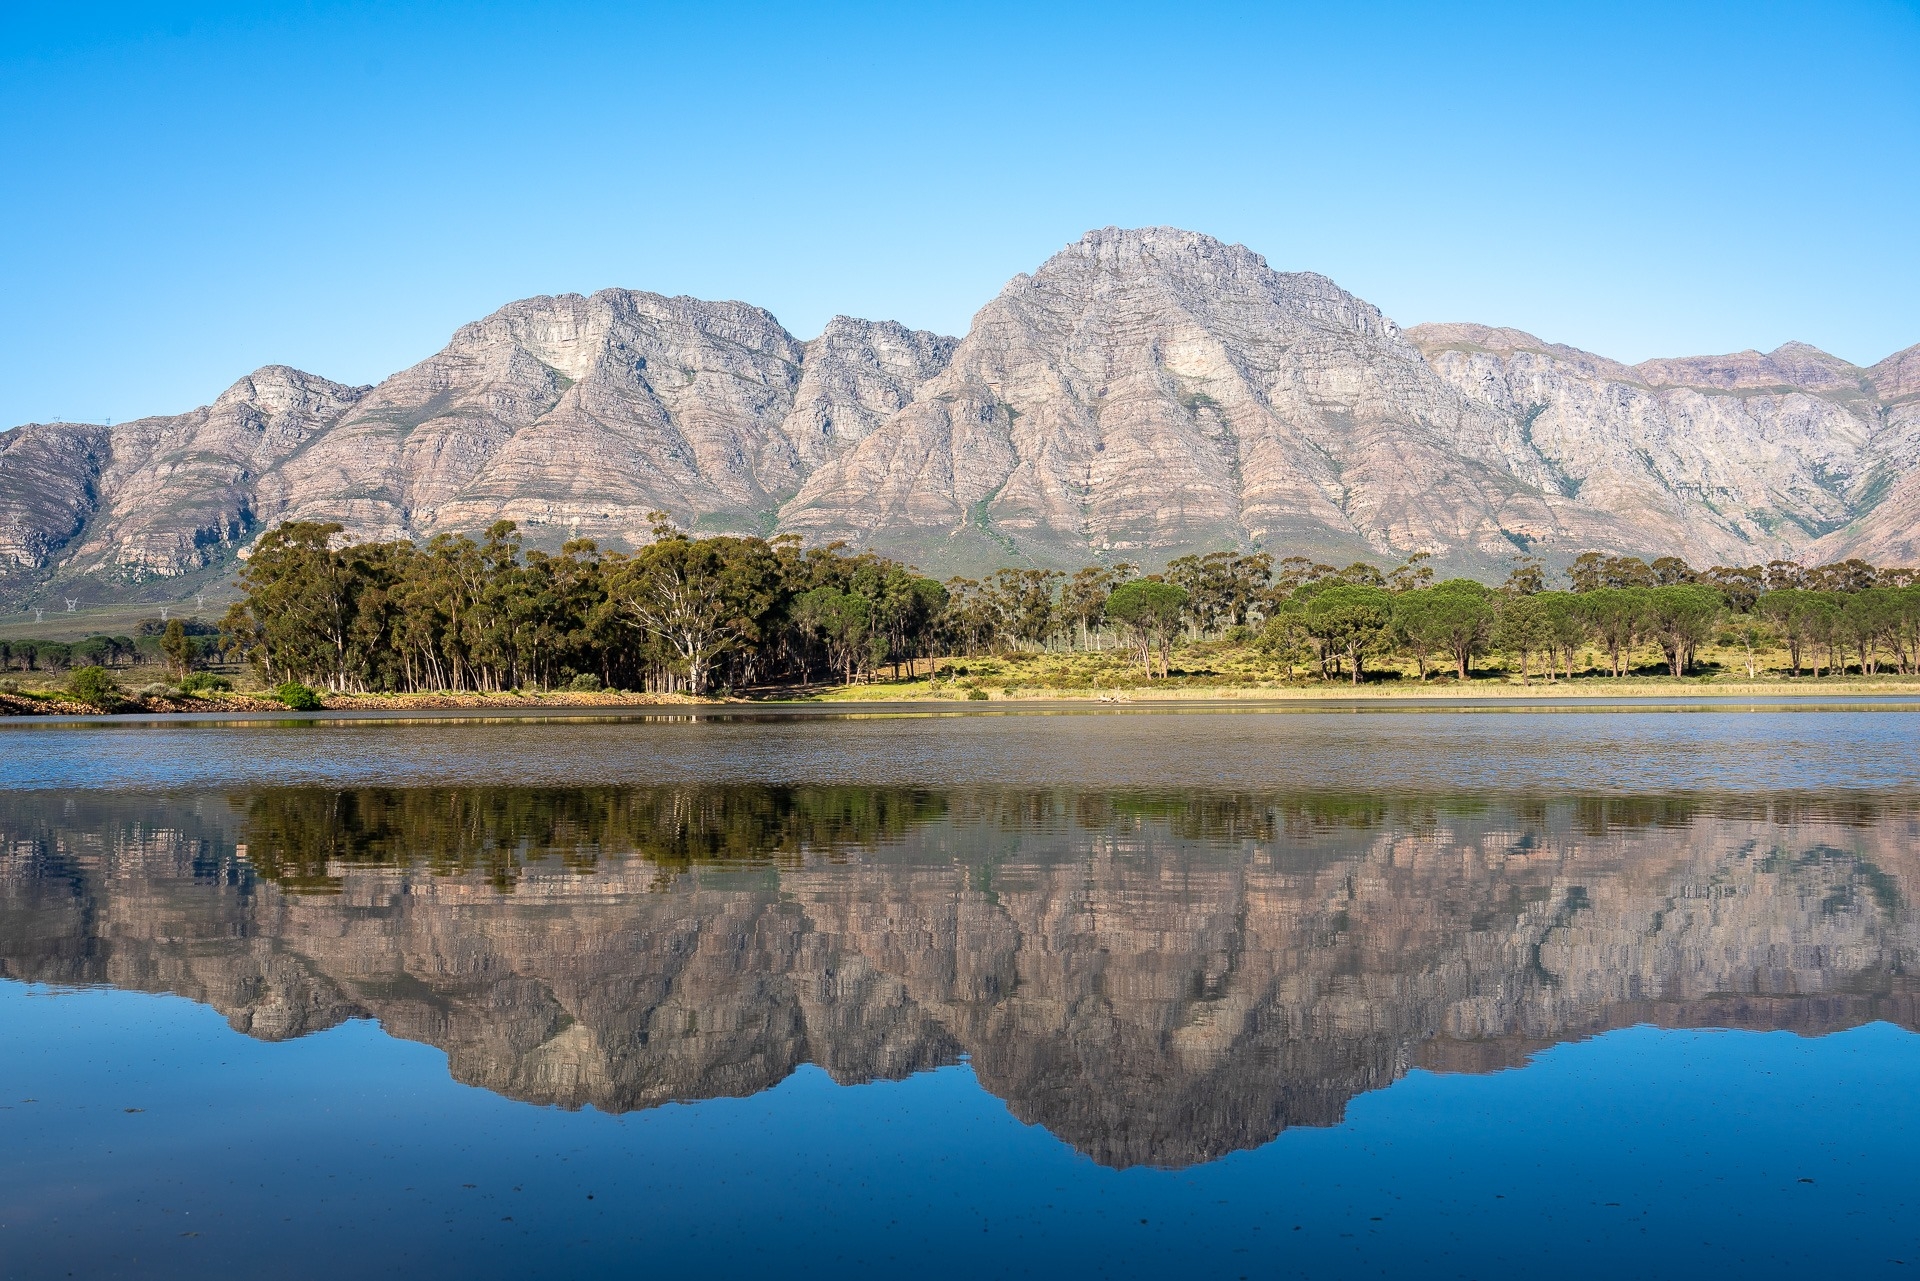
1179,994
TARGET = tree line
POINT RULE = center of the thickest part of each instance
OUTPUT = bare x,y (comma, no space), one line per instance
178,644
701,614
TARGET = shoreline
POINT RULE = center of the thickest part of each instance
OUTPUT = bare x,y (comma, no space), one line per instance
1625,696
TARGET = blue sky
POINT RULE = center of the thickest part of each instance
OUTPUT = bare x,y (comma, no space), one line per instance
190,191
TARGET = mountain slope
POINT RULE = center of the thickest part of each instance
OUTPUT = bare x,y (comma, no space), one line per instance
1147,392
1739,458
1142,394
157,497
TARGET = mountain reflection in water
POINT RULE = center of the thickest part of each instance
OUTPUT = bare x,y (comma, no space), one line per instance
1155,980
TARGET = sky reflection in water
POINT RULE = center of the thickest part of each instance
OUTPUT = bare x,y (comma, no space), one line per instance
1091,1021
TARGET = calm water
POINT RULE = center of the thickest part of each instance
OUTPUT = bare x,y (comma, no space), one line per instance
1163,994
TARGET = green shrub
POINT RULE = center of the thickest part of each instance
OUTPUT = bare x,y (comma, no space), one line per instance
977,694
585,683
205,682
93,685
300,698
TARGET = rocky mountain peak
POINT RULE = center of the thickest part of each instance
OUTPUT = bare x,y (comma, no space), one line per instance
1792,365
1150,250
1434,339
853,377
1898,376
277,390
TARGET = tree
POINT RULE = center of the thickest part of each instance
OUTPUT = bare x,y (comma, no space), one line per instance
1751,633
1351,621
1528,576
296,613
1523,629
1740,586
1413,628
1786,609
973,617
1617,617
1453,617
1819,614
1222,587
1567,628
1083,599
93,685
1844,576
1680,619
842,621
1411,574
698,601
1283,638
1870,618
1025,602
1150,610
178,648
1671,571
1596,571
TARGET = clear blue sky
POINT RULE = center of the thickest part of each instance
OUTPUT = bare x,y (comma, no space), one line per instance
193,190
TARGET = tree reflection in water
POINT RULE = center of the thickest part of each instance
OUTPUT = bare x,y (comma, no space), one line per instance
1156,979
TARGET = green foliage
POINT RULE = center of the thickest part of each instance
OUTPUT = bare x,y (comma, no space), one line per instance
205,682
93,685
179,648
732,613
1680,619
585,683
1350,622
298,836
1453,618
1523,628
298,697
1150,610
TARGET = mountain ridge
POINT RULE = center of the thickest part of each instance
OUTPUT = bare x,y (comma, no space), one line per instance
1143,393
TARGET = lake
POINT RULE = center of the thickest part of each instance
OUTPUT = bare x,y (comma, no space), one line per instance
1468,989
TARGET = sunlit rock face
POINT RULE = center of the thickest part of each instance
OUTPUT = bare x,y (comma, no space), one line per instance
1155,983
157,497
1738,458
1151,391
575,417
1142,394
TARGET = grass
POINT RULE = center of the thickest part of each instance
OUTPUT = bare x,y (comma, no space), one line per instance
105,620
1213,669
1203,670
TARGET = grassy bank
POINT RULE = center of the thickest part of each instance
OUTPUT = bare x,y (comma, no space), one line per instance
1210,671
1223,670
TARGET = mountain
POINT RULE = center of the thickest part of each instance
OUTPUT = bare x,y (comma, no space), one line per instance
1142,394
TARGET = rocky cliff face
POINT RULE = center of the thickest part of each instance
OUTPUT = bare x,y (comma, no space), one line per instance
1153,990
1886,524
1146,392
158,496
1739,458
567,415
1142,394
